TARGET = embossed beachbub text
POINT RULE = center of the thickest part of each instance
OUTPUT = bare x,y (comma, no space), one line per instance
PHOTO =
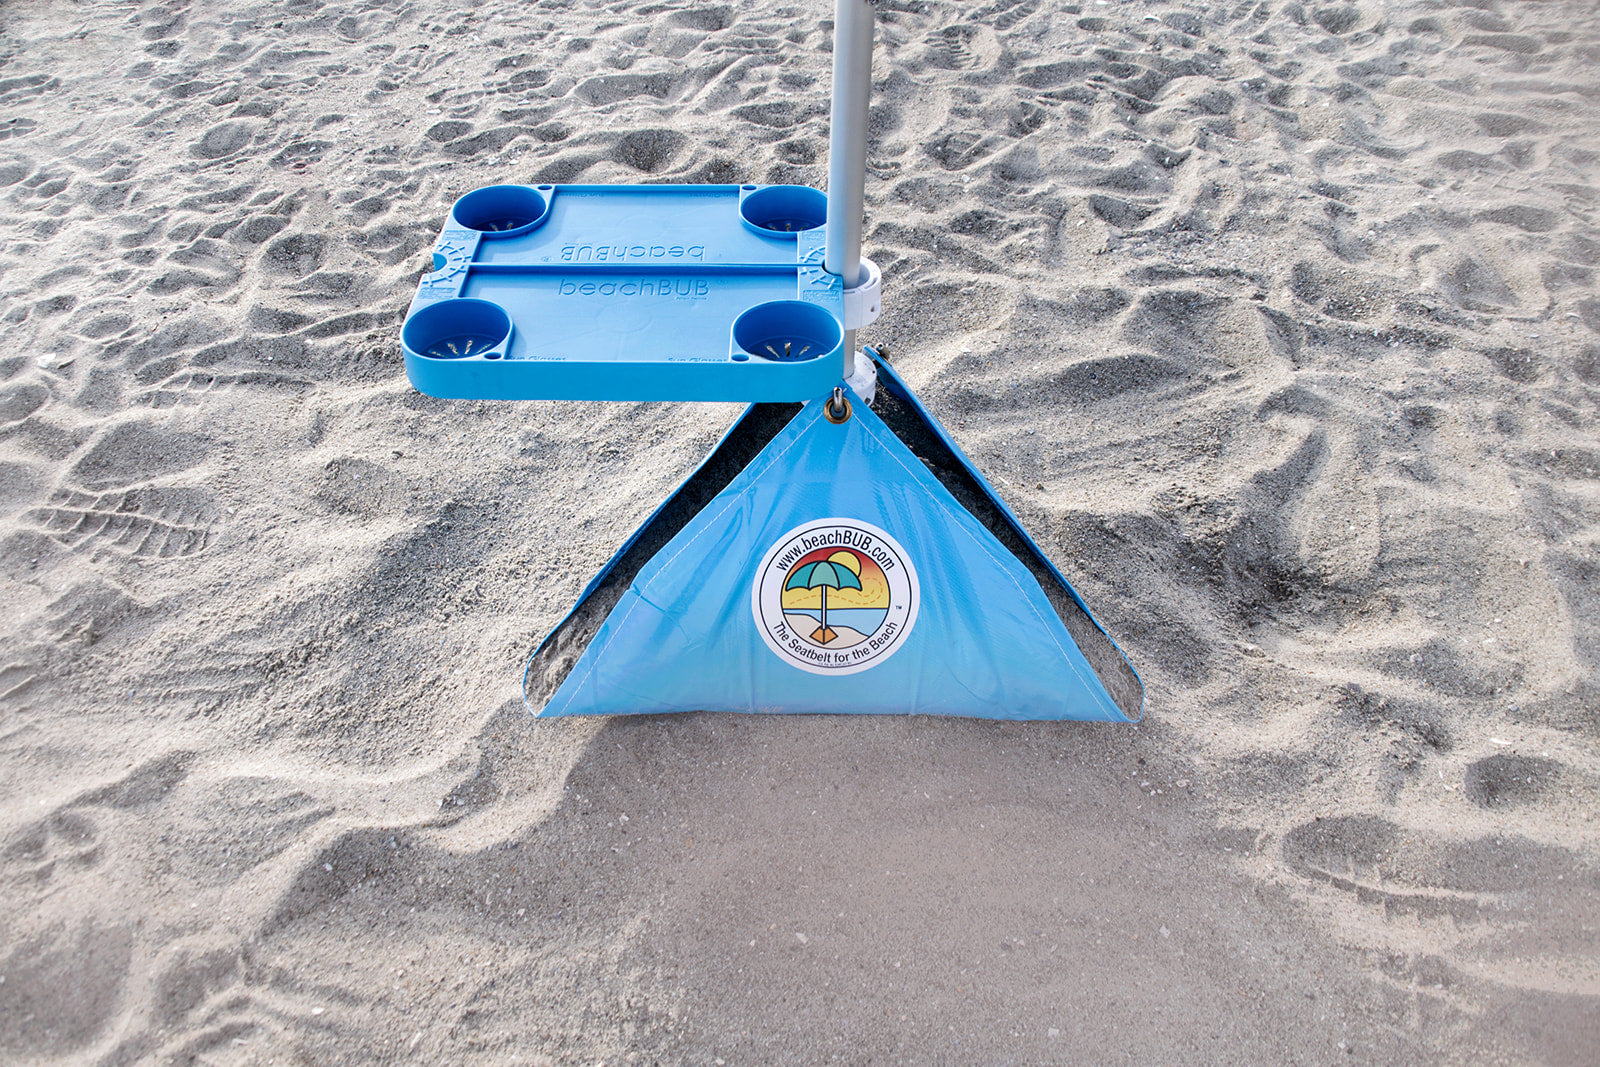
671,288
617,253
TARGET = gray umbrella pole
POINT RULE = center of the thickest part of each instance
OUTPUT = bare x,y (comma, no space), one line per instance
847,143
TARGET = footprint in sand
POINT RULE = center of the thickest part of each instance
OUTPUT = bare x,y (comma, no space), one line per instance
109,503
964,47
62,841
146,522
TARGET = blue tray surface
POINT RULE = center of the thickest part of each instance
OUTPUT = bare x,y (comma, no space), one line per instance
656,225
615,292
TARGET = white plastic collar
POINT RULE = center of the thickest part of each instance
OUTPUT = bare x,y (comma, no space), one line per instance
863,304
863,377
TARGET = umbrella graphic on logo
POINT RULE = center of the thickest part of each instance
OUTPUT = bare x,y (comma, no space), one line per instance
841,570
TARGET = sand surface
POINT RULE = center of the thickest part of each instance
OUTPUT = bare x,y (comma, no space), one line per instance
1276,322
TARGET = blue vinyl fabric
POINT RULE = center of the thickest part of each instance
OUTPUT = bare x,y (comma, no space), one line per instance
698,630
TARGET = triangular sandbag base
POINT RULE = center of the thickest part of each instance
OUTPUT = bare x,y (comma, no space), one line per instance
812,566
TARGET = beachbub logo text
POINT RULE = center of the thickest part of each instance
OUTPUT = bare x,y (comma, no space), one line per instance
656,287
624,253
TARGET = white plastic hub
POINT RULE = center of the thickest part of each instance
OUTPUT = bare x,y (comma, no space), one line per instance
863,303
863,376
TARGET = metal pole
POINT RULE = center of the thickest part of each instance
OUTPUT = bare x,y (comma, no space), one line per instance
847,142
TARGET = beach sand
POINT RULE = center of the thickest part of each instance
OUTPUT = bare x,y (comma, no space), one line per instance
1277,323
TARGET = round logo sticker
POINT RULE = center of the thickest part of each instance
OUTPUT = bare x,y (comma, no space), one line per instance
835,596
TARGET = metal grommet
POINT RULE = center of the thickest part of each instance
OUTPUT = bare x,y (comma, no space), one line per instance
837,408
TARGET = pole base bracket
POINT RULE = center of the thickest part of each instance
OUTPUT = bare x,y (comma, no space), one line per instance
864,303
